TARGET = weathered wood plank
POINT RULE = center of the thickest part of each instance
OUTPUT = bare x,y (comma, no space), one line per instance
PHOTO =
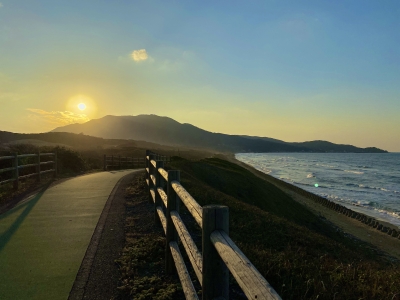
37,169
27,166
47,162
26,155
215,273
153,195
158,184
163,173
47,171
6,181
187,285
27,176
247,276
173,204
7,169
153,179
163,195
153,162
6,157
163,220
189,245
191,204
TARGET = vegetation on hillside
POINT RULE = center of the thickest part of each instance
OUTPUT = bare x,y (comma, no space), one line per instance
142,259
302,256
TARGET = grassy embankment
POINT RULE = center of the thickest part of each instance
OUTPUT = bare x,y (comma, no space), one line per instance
301,255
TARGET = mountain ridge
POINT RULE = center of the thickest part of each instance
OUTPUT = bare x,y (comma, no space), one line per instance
167,131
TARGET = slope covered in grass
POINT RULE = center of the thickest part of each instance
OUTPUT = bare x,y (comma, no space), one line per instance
302,256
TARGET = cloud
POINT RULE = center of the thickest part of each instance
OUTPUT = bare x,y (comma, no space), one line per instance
139,55
57,117
1,5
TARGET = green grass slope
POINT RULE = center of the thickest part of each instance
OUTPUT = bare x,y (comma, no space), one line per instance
302,256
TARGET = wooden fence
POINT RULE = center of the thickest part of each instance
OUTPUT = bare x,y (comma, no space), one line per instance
219,253
16,166
114,162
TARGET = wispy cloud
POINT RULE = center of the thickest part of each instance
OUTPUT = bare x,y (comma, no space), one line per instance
1,5
139,55
57,117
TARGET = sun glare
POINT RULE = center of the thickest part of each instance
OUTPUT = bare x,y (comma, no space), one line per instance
82,106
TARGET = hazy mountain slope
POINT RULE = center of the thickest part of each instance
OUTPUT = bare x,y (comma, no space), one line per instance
60,138
166,131
324,146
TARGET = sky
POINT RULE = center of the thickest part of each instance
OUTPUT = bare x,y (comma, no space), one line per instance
290,70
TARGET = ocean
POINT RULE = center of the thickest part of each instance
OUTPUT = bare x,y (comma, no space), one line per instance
366,182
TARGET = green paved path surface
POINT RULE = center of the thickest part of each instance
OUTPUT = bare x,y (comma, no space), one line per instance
43,240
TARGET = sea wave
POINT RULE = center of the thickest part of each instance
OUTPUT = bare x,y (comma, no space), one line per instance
374,179
378,188
354,172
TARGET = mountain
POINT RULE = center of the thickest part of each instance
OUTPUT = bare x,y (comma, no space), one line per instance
324,146
166,131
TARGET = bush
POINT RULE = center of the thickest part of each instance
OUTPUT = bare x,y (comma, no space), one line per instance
69,161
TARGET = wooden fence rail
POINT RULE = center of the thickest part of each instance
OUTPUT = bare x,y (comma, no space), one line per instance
16,166
121,162
218,254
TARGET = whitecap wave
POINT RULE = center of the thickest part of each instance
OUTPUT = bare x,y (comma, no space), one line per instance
354,172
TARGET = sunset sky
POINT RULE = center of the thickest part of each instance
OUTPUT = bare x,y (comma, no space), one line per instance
291,70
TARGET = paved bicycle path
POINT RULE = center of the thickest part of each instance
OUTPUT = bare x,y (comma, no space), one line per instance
43,241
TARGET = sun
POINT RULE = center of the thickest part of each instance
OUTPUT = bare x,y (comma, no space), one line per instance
82,106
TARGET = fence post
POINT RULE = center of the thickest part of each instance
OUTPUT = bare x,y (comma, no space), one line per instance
151,172
215,273
146,166
112,162
159,183
55,165
119,162
38,167
105,162
172,235
16,173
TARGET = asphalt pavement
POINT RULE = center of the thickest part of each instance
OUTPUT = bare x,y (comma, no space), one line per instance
44,239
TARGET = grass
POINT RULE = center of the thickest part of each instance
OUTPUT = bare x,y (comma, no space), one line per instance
299,254
142,259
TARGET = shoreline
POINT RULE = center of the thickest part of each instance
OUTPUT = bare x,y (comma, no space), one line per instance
352,223
384,216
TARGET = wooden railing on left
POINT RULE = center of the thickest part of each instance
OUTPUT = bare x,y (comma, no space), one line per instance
17,166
